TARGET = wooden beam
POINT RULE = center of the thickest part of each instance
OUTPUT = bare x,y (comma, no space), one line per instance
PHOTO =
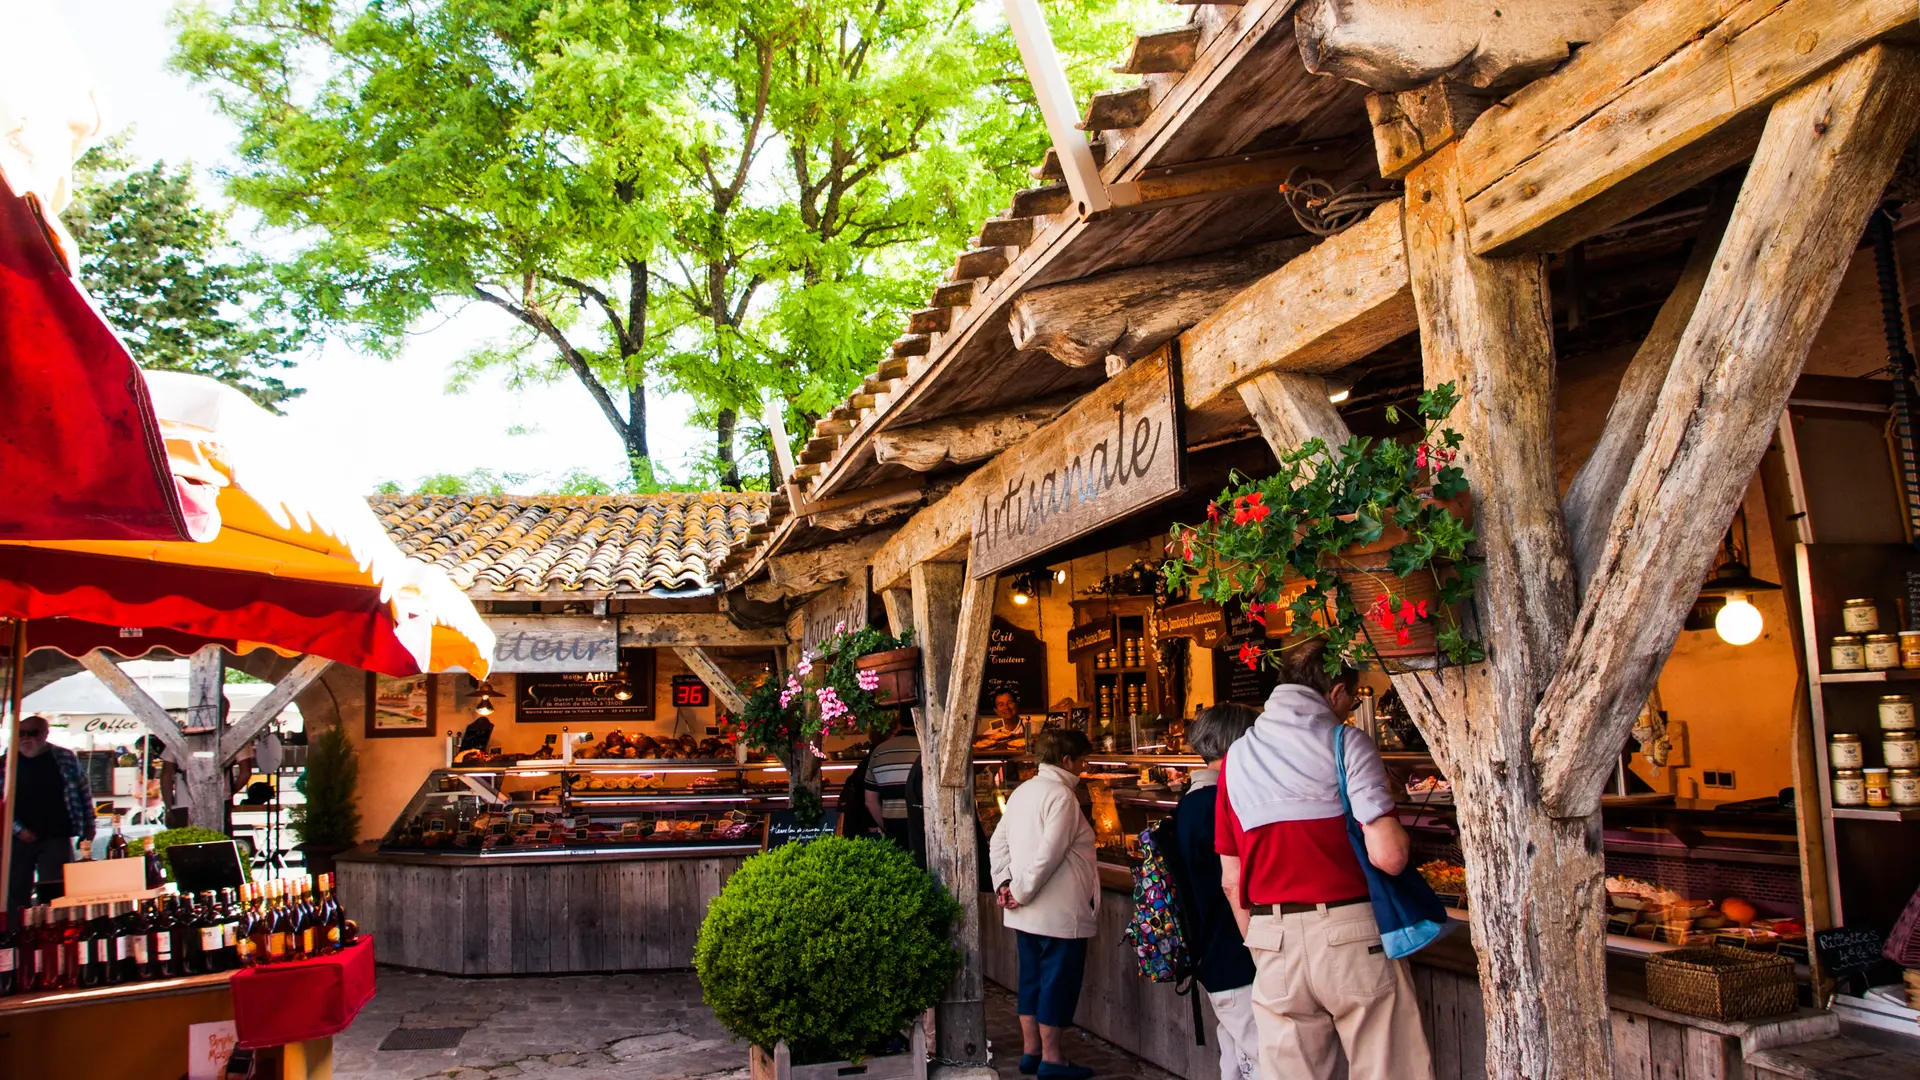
963,439
956,294
1673,94
913,345
1292,410
1401,44
933,320
1042,201
710,672
149,712
1409,126
290,686
962,701
1825,159
1259,172
1118,109
1005,232
1332,306
1162,51
981,262
714,631
1590,501
807,571
1130,313
806,507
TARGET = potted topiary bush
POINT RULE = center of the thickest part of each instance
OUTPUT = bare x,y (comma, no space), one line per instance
329,823
825,955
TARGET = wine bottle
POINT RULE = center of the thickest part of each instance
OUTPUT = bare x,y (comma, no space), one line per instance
156,873
259,927
166,963
280,939
117,843
93,957
329,915
229,930
126,966
139,932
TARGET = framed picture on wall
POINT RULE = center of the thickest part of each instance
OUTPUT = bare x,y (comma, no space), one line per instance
402,706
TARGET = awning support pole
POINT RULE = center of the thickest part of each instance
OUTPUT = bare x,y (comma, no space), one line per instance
1050,89
16,685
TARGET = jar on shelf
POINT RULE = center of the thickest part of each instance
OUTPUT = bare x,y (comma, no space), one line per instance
1847,653
1845,751
1860,616
1849,788
1882,652
1879,782
1910,648
1896,712
1900,750
1906,786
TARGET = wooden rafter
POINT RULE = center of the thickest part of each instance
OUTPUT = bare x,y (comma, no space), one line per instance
716,678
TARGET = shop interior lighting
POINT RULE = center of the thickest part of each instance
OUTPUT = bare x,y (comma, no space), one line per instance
1737,622
623,692
484,707
1339,390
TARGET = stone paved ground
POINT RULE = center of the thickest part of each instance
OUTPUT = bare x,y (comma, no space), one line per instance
603,1027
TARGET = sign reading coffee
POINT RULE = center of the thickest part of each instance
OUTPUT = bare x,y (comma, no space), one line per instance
552,643
1117,452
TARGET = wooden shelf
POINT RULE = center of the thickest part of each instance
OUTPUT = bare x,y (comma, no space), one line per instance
1890,675
1119,671
1878,813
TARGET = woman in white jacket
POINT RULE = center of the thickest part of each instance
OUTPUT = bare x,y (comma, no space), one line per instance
1044,873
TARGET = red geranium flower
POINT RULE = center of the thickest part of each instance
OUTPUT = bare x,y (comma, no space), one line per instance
1420,609
1255,611
1406,611
1404,636
1250,656
1420,457
1213,512
1249,508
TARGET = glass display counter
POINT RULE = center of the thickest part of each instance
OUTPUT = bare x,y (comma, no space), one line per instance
594,807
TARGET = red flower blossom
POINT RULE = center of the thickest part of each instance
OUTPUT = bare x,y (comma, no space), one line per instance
1256,612
1250,508
1250,655
1186,545
1404,636
1381,611
1420,609
1213,512
1406,612
1420,457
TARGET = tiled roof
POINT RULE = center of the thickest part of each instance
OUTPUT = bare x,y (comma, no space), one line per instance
544,543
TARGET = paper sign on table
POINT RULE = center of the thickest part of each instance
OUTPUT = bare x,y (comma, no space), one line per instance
208,1048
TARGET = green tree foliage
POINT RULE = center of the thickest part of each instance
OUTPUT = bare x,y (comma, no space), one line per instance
723,196
331,814
159,265
834,946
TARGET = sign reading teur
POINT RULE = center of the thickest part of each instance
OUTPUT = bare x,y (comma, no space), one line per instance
1117,452
554,643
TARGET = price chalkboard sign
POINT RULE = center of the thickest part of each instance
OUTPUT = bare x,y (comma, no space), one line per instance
1016,661
1849,950
1233,680
782,828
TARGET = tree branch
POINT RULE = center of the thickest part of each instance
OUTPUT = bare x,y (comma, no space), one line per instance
543,326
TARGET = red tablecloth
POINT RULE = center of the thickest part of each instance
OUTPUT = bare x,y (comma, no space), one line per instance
277,1004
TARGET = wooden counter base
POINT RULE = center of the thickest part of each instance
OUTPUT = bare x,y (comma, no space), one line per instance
1150,1020
532,917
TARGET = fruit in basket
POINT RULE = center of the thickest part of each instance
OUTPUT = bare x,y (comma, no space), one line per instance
1445,877
1738,911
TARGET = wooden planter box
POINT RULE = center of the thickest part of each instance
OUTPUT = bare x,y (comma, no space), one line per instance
775,1065
899,671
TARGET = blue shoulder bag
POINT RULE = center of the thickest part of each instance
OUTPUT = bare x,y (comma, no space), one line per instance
1410,914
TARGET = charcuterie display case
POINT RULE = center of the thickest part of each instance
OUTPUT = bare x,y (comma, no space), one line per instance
599,806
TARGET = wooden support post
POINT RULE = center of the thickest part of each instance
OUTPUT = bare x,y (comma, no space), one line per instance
947,604
248,727
144,708
203,770
1485,326
700,663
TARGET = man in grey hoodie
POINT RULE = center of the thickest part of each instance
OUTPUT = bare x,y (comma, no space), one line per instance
1322,981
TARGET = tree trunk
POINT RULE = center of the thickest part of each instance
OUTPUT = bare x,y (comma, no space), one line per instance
639,459
723,450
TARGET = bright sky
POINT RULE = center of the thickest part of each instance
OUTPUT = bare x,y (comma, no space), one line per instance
378,420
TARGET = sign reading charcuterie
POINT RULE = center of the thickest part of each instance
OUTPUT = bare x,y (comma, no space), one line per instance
552,643
1119,451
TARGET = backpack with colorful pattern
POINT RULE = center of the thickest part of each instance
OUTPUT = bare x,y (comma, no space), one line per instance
1156,931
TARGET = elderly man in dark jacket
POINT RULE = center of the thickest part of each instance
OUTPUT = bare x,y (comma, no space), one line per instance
55,805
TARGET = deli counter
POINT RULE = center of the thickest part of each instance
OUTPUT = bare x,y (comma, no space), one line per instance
547,867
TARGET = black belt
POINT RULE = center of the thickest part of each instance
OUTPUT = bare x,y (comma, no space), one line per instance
1291,908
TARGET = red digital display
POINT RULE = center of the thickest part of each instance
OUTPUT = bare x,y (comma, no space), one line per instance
689,692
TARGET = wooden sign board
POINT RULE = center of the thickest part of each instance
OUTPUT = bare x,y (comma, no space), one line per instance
553,643
1095,637
1849,950
1016,661
1204,621
1233,680
782,829
590,695
1119,450
844,603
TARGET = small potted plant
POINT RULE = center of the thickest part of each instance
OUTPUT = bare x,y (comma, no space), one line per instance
1363,544
825,955
329,822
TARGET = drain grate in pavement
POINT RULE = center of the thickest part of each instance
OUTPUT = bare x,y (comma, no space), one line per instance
423,1038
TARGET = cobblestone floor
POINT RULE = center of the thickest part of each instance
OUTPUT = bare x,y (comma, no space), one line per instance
603,1027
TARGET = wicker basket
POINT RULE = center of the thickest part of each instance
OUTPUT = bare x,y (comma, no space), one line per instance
1720,983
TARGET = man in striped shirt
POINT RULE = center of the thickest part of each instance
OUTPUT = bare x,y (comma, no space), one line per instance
888,767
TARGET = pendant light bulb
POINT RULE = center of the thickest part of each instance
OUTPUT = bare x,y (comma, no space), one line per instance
1739,622
484,707
1021,598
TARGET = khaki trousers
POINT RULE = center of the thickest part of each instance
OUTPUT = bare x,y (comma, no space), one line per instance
1323,983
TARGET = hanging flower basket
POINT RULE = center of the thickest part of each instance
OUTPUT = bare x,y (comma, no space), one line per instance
1364,544
899,672
834,691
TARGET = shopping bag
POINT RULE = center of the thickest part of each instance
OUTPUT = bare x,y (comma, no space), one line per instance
1410,914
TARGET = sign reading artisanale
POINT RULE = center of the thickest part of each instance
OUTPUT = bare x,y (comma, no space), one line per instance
1117,452
843,604
554,643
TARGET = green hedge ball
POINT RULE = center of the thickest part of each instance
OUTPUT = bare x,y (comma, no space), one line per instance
834,946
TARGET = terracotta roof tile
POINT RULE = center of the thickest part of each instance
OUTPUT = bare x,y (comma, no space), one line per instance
544,543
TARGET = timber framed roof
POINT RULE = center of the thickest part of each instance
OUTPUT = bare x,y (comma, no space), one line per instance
500,546
1224,111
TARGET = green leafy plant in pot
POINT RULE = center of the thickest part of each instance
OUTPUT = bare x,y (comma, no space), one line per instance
1363,544
329,823
833,947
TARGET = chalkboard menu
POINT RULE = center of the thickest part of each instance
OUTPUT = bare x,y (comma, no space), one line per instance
1848,951
1232,679
783,829
625,694
1016,661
